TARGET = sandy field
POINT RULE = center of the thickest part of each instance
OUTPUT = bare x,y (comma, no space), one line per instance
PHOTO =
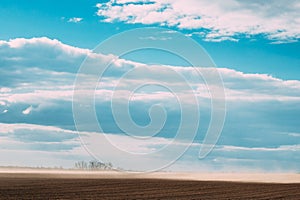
64,184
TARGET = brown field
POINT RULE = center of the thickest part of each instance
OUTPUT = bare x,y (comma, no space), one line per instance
70,186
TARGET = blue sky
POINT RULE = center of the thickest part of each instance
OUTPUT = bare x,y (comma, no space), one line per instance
254,44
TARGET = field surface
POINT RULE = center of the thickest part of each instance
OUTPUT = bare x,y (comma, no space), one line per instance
117,186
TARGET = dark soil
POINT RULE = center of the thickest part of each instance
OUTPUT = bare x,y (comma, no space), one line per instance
81,188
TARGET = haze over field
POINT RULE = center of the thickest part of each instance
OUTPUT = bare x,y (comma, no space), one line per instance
188,176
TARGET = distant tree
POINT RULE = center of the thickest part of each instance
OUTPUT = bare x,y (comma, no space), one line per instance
81,165
92,165
110,166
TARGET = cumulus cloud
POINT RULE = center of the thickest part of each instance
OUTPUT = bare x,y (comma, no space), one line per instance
219,20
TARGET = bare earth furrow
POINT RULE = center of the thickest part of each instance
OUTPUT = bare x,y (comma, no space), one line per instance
105,188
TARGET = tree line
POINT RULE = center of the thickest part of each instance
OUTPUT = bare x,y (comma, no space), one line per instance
93,165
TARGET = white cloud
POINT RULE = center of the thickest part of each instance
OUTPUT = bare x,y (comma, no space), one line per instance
41,42
36,145
155,38
216,37
280,148
75,19
276,19
27,111
10,128
294,134
5,90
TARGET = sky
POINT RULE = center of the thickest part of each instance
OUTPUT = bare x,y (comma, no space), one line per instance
253,46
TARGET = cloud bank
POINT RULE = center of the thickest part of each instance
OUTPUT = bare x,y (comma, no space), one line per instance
52,146
36,88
